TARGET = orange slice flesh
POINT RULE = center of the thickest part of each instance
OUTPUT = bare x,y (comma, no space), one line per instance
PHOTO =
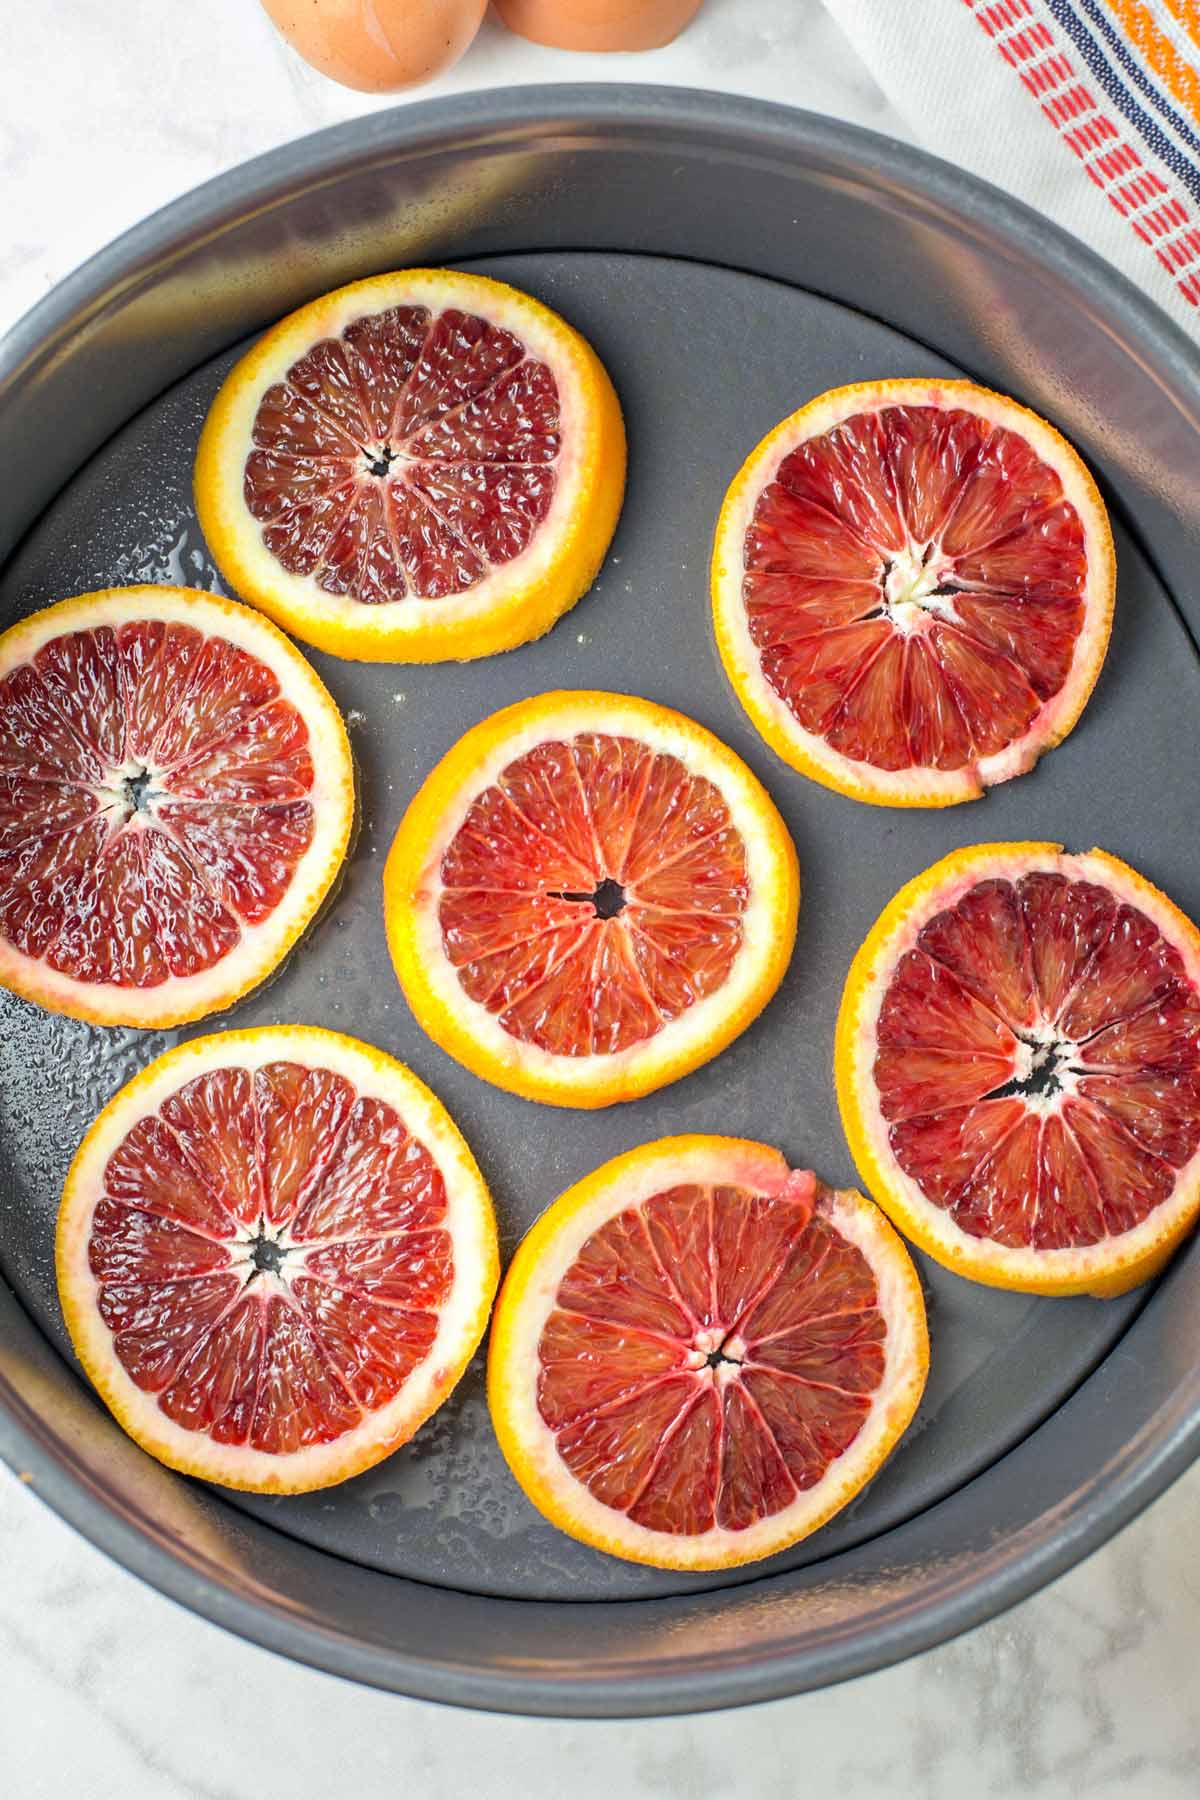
275,1257
1019,1068
912,586
176,797
698,1356
421,466
589,896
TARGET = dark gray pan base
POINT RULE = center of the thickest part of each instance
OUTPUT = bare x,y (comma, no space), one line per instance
706,361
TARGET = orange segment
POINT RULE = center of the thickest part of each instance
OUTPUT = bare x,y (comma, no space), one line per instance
275,1257
912,588
1018,1067
589,896
422,466
535,935
176,796
698,1357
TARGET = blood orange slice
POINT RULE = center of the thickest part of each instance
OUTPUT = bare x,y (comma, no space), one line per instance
1018,1066
275,1257
176,797
422,466
912,589
589,896
697,1357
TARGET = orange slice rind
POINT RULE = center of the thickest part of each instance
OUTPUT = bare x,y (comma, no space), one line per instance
176,800
275,1257
1018,1068
422,466
698,1357
912,589
498,887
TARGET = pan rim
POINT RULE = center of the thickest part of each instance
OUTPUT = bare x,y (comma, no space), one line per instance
1169,1439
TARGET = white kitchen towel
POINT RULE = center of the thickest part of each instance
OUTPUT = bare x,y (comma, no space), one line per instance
1088,110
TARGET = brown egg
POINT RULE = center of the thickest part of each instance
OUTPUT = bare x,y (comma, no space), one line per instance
378,45
598,24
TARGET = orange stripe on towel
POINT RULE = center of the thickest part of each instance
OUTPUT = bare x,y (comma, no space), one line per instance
1189,18
1159,53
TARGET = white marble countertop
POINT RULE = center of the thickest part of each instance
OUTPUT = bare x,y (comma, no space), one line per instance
106,1689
